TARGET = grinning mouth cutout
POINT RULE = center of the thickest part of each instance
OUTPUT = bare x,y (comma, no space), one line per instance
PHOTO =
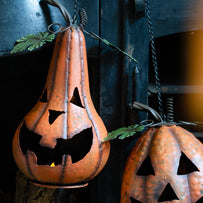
77,147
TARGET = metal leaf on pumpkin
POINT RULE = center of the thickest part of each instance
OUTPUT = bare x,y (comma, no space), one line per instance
124,132
32,41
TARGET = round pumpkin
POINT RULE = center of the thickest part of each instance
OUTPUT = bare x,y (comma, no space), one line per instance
59,142
165,165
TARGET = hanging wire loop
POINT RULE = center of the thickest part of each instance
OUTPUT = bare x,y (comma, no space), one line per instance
63,10
54,24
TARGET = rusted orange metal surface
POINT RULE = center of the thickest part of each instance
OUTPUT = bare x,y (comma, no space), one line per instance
165,165
59,142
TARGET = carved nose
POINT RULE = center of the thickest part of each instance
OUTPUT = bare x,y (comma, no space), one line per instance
168,194
134,200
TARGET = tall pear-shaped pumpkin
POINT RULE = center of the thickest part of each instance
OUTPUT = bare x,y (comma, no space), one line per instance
59,142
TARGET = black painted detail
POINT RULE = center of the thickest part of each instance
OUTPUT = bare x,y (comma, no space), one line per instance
76,98
53,115
200,200
146,168
77,147
168,194
185,165
134,200
44,96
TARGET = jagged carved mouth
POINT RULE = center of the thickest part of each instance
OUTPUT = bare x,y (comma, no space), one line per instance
77,147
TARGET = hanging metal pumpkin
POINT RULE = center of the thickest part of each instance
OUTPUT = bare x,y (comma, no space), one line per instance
165,165
59,140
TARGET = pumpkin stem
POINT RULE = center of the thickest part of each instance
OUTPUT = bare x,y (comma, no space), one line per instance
143,107
63,10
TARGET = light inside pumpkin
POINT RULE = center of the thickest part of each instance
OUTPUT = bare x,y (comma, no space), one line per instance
52,165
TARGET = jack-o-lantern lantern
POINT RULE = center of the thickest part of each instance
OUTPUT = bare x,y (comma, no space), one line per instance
165,165
59,142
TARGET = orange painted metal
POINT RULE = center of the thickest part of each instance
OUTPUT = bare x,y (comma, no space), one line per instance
68,72
164,145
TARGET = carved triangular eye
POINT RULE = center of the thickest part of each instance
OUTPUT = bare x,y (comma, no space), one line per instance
146,168
168,194
76,98
44,97
134,200
185,165
200,200
53,115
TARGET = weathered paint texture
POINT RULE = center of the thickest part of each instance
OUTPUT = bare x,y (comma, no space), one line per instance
165,146
64,110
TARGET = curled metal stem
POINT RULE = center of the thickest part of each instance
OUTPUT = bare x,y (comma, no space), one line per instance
63,10
157,116
143,107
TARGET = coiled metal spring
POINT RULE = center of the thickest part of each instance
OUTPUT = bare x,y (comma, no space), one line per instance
83,18
170,109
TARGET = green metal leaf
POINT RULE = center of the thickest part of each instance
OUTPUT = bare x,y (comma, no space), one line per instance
28,37
50,38
124,132
32,41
